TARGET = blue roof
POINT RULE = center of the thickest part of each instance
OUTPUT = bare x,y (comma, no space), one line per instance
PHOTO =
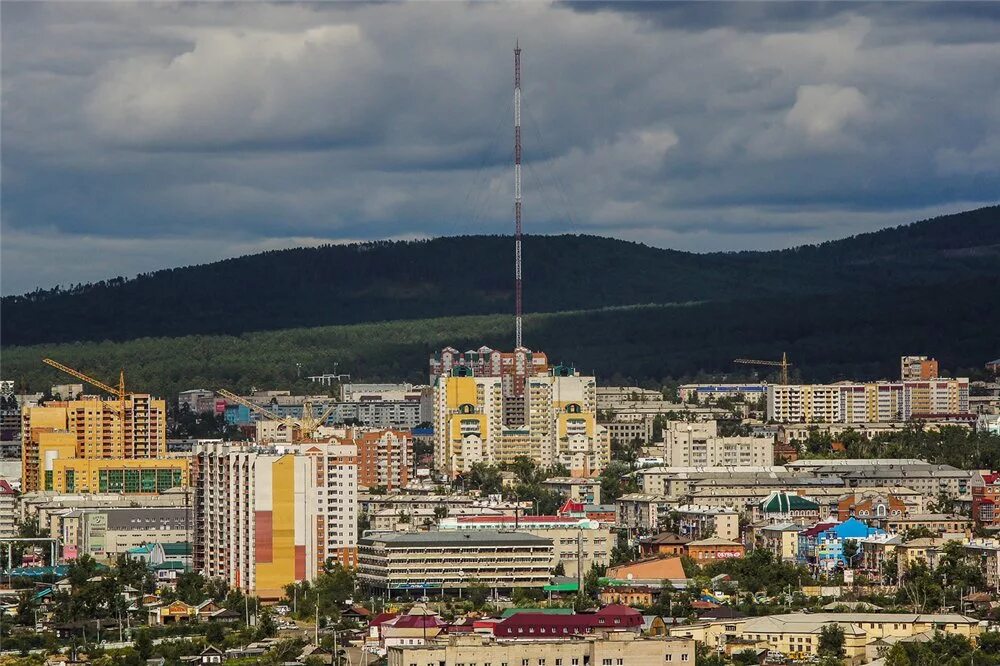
422,431
852,528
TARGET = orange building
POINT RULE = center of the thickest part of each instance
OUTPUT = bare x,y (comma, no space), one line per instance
628,595
384,458
714,548
866,506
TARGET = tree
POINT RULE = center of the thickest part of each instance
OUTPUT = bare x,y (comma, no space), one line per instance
214,635
478,594
143,643
831,641
745,658
191,587
265,624
559,570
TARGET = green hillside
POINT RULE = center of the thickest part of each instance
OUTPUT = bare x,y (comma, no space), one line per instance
827,337
443,277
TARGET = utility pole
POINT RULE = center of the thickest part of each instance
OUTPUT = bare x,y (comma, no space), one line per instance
517,194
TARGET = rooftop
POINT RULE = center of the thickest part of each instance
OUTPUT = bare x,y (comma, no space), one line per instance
456,539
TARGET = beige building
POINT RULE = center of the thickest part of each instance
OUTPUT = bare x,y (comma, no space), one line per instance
698,444
8,509
601,649
679,481
700,522
584,491
796,635
781,539
577,543
106,533
453,560
871,402
643,511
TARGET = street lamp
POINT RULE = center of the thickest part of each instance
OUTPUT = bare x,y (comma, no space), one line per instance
461,579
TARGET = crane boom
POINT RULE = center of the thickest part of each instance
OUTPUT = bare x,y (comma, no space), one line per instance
228,395
783,364
118,392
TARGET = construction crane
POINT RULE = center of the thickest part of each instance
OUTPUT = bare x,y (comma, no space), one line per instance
307,424
118,392
783,364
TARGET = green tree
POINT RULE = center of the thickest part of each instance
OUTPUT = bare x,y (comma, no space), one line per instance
214,634
143,643
831,641
478,594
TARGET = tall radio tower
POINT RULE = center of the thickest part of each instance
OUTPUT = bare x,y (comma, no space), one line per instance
517,194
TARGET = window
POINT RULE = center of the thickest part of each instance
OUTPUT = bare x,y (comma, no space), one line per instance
684,657
541,662
670,657
606,662
619,661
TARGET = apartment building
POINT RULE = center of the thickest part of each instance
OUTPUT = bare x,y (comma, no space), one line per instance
679,481
594,648
106,533
270,516
699,522
709,393
8,510
453,559
473,423
385,458
584,491
643,511
872,402
90,428
916,368
698,444
628,428
577,543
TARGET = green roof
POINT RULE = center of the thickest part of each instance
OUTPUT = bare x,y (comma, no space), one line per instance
180,548
562,587
168,565
780,502
547,611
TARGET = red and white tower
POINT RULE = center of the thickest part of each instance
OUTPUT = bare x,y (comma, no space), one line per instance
517,195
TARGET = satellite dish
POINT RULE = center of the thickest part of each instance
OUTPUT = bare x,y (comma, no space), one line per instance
629,576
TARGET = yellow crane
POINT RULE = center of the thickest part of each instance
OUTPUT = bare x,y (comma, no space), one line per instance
783,364
117,391
307,424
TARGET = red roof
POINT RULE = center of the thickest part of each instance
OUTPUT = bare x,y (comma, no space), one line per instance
990,479
418,621
571,507
5,488
380,618
543,625
816,529
617,615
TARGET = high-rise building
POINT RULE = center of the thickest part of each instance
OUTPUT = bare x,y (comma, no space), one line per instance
384,458
555,421
90,428
270,516
917,368
698,444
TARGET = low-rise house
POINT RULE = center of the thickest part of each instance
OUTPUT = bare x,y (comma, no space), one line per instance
785,507
629,595
650,571
714,548
664,544
701,522
173,613
939,523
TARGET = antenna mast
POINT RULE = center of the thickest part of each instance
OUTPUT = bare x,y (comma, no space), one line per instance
517,194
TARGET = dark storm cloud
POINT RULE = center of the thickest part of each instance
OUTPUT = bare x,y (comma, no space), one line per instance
139,136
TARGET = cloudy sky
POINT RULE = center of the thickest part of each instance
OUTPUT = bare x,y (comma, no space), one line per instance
142,136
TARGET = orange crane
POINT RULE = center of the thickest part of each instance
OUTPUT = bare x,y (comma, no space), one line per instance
118,392
307,424
783,364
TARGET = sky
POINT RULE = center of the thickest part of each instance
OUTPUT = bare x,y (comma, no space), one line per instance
139,136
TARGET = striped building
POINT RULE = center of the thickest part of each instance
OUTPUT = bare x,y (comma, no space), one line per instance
270,516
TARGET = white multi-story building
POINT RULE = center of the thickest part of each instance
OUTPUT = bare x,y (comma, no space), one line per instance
698,444
270,516
871,402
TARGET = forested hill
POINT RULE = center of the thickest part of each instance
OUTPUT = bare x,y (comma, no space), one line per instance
346,284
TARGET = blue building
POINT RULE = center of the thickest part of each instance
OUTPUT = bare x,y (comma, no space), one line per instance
829,549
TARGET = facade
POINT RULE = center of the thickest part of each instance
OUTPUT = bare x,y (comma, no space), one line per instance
782,506
796,635
577,543
708,393
665,544
874,402
90,428
385,458
270,516
643,511
452,560
596,649
698,444
985,496
584,491
781,539
8,509
553,422
714,548
199,401
871,505
628,428
139,476
700,522
916,368
106,533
